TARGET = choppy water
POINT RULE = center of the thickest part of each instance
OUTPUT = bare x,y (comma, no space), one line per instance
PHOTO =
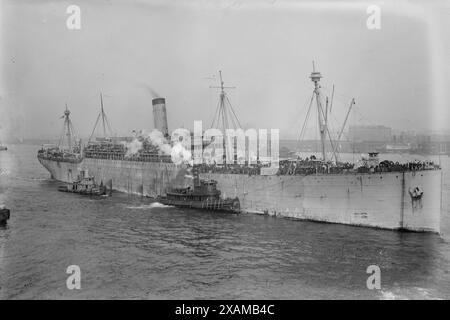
128,247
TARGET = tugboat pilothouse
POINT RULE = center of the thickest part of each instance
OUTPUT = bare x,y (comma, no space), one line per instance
85,184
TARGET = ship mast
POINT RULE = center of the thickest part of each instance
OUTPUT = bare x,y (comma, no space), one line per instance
67,132
322,118
322,115
105,121
225,114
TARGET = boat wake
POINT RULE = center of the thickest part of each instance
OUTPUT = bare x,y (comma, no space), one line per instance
159,205
32,179
148,206
408,293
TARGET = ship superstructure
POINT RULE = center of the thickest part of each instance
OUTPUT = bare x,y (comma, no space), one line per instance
68,148
371,193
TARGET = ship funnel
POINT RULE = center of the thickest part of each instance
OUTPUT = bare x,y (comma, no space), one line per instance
160,115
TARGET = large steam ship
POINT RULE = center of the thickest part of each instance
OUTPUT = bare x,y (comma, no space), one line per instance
374,193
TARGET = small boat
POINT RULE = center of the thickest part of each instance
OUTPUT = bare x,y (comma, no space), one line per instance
4,215
204,195
3,148
85,185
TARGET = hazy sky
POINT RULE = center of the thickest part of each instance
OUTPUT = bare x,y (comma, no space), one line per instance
399,74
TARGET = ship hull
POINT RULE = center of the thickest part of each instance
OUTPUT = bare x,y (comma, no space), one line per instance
221,205
144,178
381,200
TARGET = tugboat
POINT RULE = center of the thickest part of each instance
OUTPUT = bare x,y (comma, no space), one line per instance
4,215
85,185
204,195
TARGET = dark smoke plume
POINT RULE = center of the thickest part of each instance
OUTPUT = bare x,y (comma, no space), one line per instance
152,92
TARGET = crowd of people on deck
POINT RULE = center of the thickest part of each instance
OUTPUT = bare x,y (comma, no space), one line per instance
311,165
231,168
57,154
389,166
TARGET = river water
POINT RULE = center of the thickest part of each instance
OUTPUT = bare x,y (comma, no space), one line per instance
128,247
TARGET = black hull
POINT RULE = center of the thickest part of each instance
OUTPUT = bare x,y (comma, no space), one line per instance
84,193
227,205
4,216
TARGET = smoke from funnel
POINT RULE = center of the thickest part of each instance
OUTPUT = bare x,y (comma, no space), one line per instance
150,90
179,154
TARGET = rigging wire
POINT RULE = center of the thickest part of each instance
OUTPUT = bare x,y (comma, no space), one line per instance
305,123
105,121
